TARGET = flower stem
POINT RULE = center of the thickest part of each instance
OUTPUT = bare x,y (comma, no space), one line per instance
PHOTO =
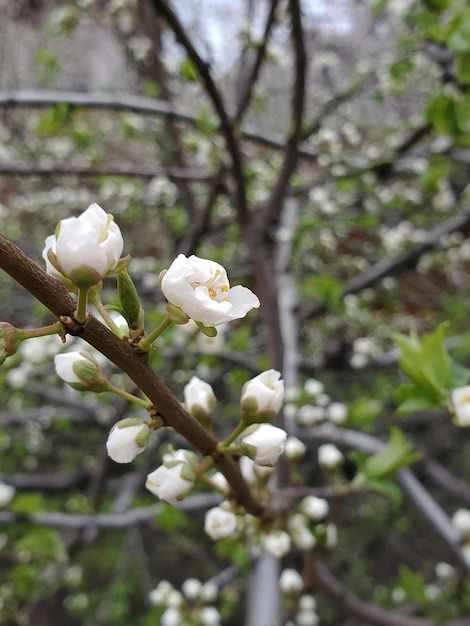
224,445
128,396
98,303
81,312
53,329
145,344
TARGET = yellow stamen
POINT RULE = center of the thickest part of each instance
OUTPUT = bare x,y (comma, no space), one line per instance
212,293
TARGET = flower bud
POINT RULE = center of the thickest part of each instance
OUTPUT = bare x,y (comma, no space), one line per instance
6,494
80,371
294,449
314,508
329,456
220,523
263,443
127,439
172,481
276,543
262,397
290,581
10,339
84,249
199,399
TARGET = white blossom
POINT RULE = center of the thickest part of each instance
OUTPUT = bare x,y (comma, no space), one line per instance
209,616
329,456
86,248
220,523
171,617
315,508
294,449
199,397
263,443
191,588
79,369
172,480
337,412
276,543
461,402
6,494
262,396
200,287
290,581
461,522
127,439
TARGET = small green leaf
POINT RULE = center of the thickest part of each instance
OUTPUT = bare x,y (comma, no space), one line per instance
397,454
188,72
387,487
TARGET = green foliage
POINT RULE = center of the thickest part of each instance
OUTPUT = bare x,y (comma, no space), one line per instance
427,363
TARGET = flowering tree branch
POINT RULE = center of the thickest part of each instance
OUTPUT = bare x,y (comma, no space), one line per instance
53,295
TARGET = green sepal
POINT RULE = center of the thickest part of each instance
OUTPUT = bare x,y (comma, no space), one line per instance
85,277
176,314
249,410
208,331
121,265
143,436
129,298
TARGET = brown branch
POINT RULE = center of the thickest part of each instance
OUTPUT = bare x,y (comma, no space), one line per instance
53,295
124,102
247,85
273,204
77,170
196,502
226,125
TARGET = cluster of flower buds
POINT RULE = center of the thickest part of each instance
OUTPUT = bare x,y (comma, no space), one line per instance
192,605
301,605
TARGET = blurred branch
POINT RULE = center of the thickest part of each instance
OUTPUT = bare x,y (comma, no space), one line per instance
53,295
418,495
369,613
196,502
226,125
247,80
451,484
122,102
46,481
75,170
273,204
397,264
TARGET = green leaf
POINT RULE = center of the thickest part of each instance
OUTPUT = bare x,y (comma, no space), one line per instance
329,291
187,71
170,518
363,412
441,113
387,487
426,362
398,453
462,68
409,399
459,40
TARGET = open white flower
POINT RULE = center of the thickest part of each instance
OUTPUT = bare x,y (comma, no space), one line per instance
220,523
172,480
461,402
199,398
127,439
263,443
262,396
201,289
84,249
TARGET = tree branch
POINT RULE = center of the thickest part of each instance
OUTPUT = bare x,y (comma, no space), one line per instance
53,295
